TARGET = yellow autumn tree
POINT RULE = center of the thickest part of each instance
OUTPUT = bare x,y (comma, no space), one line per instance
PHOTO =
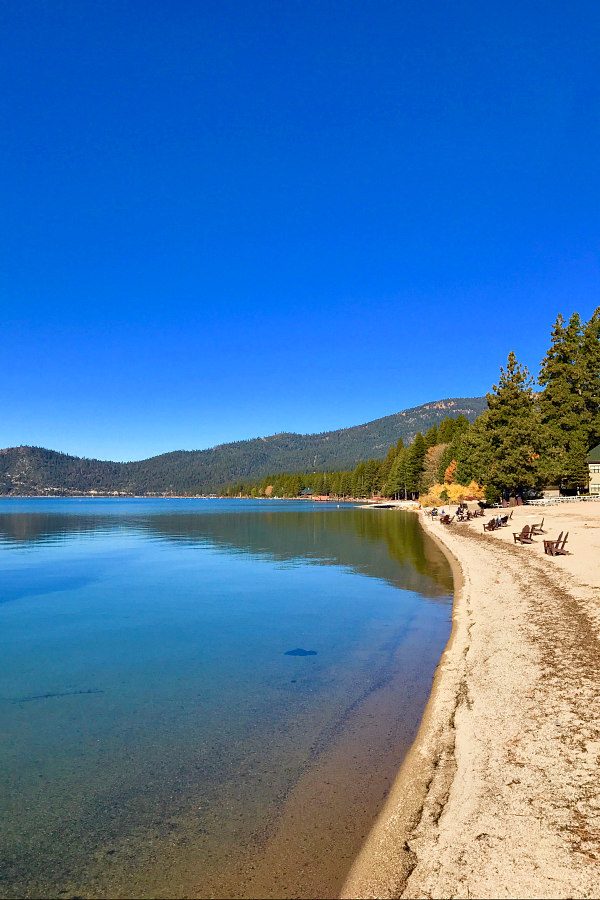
438,494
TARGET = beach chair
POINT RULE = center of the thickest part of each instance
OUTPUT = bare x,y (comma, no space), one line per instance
490,526
538,529
557,547
550,544
446,520
524,537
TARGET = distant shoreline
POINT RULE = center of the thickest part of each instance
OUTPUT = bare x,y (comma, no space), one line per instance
178,497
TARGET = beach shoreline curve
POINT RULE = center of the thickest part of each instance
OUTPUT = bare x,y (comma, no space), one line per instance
496,796
386,860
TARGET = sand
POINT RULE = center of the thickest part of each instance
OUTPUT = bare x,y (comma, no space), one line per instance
499,796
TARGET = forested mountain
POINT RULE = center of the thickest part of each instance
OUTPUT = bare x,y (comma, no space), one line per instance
33,470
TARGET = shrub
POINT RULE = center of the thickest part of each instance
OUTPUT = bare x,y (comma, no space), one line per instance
452,493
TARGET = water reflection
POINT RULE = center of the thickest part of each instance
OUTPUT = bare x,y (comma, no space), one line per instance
378,543
151,717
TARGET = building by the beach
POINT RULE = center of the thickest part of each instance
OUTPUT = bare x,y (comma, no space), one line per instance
593,460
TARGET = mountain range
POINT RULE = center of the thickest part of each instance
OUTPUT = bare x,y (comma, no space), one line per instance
35,470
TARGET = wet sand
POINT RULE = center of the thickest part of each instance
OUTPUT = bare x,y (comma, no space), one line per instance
498,796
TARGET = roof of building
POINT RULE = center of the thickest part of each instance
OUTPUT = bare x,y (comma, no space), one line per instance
594,455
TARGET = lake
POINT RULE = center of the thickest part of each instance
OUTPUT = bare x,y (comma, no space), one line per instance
159,738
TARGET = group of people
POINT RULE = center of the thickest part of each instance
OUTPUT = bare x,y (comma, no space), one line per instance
462,510
463,513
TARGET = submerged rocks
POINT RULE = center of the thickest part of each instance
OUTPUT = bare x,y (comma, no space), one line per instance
300,652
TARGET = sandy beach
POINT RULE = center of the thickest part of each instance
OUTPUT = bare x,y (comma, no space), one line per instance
498,796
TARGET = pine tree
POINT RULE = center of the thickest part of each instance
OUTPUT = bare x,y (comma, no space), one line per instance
431,436
415,463
513,430
387,463
396,483
473,452
590,370
359,485
446,430
461,425
565,416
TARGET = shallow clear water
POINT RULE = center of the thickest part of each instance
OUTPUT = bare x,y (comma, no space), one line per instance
153,725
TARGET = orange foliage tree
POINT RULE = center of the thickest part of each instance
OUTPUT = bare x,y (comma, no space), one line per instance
450,472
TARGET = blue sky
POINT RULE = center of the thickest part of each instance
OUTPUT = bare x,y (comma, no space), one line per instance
228,219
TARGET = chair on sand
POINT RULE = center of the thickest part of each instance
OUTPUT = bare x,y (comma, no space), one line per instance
524,537
538,529
557,547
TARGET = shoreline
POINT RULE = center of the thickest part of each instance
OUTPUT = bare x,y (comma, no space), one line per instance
496,796
386,859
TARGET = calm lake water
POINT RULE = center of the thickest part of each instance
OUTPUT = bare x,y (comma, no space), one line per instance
154,729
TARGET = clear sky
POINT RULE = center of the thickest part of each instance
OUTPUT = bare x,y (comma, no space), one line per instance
227,219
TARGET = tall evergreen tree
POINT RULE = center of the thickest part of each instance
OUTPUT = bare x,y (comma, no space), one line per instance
473,452
396,483
387,463
431,436
590,368
415,463
565,416
446,430
513,430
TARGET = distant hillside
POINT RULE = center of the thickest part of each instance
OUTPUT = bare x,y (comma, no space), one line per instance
33,470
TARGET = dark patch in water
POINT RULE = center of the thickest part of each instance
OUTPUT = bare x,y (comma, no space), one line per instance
59,694
300,652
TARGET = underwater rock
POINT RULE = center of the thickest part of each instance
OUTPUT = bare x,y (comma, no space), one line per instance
300,652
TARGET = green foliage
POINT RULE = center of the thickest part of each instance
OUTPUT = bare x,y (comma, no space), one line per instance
431,436
472,452
35,470
564,413
521,440
415,464
512,432
590,375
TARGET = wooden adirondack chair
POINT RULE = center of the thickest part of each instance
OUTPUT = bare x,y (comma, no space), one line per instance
524,537
538,529
549,544
557,547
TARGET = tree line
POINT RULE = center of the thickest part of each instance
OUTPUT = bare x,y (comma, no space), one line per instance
526,438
